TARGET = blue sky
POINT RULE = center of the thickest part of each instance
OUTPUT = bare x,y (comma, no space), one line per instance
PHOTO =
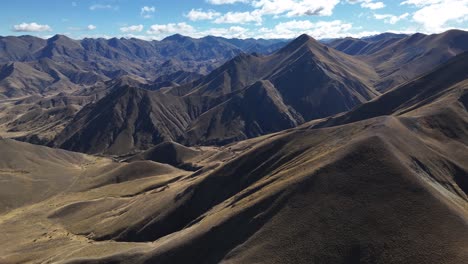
156,19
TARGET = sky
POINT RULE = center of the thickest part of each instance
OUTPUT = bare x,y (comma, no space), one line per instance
156,19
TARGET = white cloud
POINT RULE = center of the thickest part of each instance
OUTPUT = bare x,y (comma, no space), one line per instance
160,31
371,4
147,11
199,14
223,2
171,28
435,15
231,32
318,30
89,27
134,28
420,3
240,18
390,19
99,6
276,8
31,27
296,8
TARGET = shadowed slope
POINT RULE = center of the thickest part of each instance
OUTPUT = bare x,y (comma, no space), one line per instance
365,46
256,94
75,64
387,189
128,119
414,55
432,88
257,110
367,191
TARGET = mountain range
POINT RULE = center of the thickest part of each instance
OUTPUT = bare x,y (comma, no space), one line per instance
71,64
344,151
303,81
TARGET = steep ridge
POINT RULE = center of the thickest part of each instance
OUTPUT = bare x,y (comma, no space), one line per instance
39,119
257,110
18,79
304,80
20,48
437,87
126,120
248,96
377,190
317,81
365,46
84,62
384,182
354,186
415,55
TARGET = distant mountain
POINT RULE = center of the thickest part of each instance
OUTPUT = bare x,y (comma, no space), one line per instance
414,55
331,171
365,45
72,64
125,120
257,110
400,58
384,36
302,81
443,88
384,183
248,96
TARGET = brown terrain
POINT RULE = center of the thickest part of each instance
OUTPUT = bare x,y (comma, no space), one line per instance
298,156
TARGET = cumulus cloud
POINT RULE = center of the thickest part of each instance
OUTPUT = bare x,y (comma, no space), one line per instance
318,30
240,18
171,28
147,11
99,6
390,19
134,28
296,8
231,32
31,27
435,15
370,4
199,14
261,8
89,27
223,2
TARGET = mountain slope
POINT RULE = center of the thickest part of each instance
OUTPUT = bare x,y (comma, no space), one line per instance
355,187
126,120
18,79
79,63
365,46
415,55
303,81
435,88
248,96
257,110
376,190
317,81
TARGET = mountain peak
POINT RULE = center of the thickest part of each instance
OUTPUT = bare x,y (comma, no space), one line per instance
299,42
59,37
304,38
176,37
